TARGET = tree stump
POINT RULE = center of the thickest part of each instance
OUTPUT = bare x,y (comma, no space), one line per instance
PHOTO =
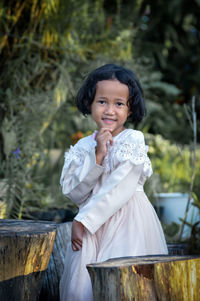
149,278
50,287
25,249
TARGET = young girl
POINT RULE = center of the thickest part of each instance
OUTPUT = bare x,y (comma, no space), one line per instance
104,175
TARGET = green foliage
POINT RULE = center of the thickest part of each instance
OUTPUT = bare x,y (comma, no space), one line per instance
46,48
194,241
38,85
171,34
171,232
172,166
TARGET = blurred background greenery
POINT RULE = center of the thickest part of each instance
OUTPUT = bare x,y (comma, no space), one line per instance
47,47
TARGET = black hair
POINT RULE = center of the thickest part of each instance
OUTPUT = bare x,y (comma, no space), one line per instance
86,93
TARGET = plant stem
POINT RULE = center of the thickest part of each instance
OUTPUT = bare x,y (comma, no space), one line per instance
194,127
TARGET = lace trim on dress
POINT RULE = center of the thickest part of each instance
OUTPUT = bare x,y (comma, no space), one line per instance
73,154
135,152
77,153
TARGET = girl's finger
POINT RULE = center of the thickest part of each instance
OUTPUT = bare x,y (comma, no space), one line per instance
102,131
110,138
77,241
76,246
105,135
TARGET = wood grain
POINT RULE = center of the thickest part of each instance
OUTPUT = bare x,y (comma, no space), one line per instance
149,278
25,250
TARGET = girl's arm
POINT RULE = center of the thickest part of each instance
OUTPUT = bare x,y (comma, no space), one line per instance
118,189
80,171
83,168
100,151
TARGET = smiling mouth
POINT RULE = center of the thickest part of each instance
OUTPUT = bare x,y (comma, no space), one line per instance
108,120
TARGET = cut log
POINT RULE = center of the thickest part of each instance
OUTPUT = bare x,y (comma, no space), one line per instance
149,278
50,287
25,250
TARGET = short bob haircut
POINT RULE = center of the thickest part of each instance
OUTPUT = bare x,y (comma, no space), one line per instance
86,93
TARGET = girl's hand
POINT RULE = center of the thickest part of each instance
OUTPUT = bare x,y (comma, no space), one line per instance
77,235
104,135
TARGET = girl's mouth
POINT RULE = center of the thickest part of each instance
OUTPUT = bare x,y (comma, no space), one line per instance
108,120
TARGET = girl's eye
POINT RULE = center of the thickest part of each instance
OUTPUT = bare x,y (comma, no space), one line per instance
101,102
119,104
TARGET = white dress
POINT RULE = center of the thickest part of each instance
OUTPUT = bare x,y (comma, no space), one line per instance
119,220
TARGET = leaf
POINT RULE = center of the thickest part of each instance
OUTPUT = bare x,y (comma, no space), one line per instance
165,87
196,204
10,141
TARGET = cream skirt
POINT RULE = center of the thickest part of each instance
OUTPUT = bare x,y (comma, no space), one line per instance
132,231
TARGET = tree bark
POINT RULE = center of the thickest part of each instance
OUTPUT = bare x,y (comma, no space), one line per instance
25,250
50,287
149,278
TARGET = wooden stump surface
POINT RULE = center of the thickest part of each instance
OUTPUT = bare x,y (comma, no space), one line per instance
149,278
25,250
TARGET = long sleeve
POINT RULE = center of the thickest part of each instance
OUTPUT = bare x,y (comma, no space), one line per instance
118,187
80,171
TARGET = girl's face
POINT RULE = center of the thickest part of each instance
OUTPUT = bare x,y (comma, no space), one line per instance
109,108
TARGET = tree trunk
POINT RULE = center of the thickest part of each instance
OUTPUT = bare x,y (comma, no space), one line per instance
149,278
25,250
50,287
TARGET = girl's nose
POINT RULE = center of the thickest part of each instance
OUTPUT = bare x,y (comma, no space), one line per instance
109,110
